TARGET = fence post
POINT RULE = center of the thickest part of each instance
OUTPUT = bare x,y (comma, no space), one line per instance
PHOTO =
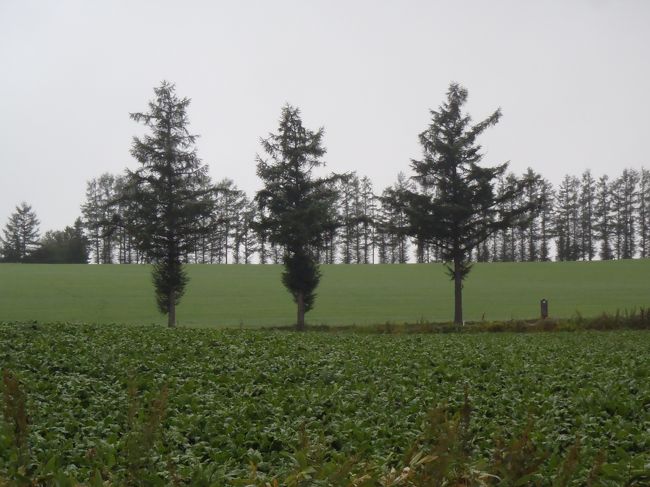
543,304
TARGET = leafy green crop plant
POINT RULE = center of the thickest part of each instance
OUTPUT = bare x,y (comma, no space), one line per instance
144,431
263,408
15,452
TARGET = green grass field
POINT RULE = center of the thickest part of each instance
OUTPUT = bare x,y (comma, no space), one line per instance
252,295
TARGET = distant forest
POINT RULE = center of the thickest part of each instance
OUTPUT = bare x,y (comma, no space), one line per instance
584,218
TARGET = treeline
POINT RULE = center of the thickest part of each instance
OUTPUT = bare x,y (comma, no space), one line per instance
584,218
21,240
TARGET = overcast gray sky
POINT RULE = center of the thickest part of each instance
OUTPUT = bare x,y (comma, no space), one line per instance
572,79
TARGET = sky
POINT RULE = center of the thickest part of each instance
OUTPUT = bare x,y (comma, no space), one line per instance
572,79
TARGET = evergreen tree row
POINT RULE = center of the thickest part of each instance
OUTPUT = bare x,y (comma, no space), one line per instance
584,218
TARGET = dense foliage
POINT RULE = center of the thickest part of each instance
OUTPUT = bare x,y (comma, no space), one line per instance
147,405
67,246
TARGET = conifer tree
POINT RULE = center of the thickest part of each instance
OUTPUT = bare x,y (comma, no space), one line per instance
229,205
587,201
208,225
625,209
546,212
99,211
512,230
532,195
348,188
457,208
644,214
382,237
20,234
505,238
396,220
368,210
567,219
246,243
604,217
120,224
170,197
296,205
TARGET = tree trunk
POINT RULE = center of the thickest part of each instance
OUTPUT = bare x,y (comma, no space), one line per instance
300,301
458,292
171,310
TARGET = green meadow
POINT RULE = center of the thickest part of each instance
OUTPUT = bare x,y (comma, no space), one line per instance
252,295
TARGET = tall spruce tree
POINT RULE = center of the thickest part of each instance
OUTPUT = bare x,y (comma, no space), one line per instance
506,240
625,201
546,227
604,224
170,198
245,243
348,189
587,200
210,225
121,222
567,219
644,214
395,203
296,206
382,229
20,234
533,194
457,208
367,222
98,212
512,230
230,202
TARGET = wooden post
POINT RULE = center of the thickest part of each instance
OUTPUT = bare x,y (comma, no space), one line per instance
543,304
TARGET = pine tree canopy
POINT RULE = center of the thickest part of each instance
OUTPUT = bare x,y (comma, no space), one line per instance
457,206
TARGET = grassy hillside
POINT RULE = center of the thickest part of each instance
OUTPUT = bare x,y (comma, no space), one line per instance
253,295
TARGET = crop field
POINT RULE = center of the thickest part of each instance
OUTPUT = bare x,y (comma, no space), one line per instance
208,406
252,295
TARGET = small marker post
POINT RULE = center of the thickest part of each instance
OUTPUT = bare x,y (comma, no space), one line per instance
543,304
